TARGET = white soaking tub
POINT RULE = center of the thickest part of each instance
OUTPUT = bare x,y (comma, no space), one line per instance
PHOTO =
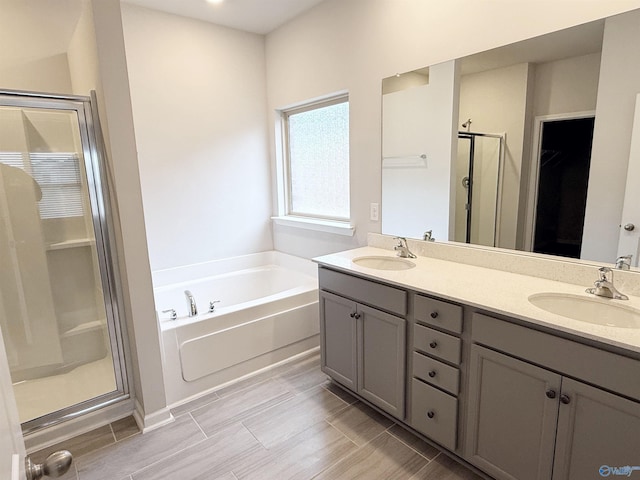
266,311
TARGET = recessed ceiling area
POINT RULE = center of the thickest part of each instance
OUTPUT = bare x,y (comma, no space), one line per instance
256,16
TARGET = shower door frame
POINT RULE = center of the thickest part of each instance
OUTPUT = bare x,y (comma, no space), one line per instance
471,136
94,156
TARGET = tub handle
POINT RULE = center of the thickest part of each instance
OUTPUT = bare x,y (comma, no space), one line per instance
212,305
173,313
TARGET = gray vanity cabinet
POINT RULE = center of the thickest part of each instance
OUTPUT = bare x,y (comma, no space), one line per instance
543,421
338,339
362,347
596,429
512,416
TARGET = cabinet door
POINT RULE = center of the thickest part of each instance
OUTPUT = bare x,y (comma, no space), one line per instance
512,416
381,370
596,430
338,339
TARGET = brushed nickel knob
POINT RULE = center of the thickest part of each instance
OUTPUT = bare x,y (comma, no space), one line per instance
629,227
54,466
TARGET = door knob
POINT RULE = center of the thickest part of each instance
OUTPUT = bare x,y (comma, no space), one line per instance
629,227
54,466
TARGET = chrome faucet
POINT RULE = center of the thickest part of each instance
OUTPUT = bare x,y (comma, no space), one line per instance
428,236
193,310
623,262
603,287
403,249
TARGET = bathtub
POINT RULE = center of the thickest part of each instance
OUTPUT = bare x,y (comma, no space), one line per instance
265,310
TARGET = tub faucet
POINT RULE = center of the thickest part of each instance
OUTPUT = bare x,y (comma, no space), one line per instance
403,249
623,262
193,310
603,287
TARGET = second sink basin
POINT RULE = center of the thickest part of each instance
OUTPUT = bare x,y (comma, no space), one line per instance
381,262
599,311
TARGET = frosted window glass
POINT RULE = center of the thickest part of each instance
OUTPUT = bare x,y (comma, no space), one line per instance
319,162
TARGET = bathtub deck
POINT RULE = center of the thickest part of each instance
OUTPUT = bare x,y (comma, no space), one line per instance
286,423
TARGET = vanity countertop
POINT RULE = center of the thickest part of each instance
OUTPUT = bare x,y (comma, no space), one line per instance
491,290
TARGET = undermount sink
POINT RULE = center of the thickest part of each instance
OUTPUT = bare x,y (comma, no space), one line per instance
384,263
599,311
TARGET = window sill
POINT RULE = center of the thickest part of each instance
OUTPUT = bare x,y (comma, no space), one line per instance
316,224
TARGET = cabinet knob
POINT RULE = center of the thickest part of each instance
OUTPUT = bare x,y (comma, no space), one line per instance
432,373
566,399
356,316
431,414
352,314
551,393
433,344
434,314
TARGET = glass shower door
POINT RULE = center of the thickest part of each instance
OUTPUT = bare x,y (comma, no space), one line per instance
56,302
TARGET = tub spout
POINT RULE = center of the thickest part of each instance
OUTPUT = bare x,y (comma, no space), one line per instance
193,310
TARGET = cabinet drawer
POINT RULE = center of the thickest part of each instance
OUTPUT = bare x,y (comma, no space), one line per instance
381,296
436,373
436,343
438,313
434,413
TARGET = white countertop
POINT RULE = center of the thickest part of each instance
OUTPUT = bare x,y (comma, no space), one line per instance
491,290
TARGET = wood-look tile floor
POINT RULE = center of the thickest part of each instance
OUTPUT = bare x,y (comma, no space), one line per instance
287,423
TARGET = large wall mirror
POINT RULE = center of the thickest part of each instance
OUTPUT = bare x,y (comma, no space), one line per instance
526,146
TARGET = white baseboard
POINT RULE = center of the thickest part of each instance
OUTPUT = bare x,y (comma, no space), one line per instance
147,423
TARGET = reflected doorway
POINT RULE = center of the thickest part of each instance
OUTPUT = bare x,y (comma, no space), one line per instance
564,158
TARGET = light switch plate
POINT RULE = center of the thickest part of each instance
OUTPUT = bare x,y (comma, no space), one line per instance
374,212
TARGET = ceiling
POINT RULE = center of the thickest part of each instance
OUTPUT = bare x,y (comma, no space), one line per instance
256,16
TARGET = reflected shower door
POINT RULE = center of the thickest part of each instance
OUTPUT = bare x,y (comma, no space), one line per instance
477,188
57,327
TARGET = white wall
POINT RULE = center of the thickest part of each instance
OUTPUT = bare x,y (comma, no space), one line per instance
566,86
49,74
618,85
353,44
199,105
417,199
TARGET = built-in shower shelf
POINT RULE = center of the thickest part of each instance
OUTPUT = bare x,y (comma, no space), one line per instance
76,242
85,327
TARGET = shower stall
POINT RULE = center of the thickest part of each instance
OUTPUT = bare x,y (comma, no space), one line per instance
58,288
478,177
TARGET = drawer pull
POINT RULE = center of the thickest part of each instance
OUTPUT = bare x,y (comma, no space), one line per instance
434,314
432,373
551,393
433,344
566,399
356,316
352,314
431,414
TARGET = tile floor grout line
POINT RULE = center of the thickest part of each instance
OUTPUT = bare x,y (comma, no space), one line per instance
253,435
337,396
412,448
198,425
344,434
171,455
358,448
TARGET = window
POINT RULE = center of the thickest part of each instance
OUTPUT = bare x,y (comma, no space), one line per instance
58,177
316,154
